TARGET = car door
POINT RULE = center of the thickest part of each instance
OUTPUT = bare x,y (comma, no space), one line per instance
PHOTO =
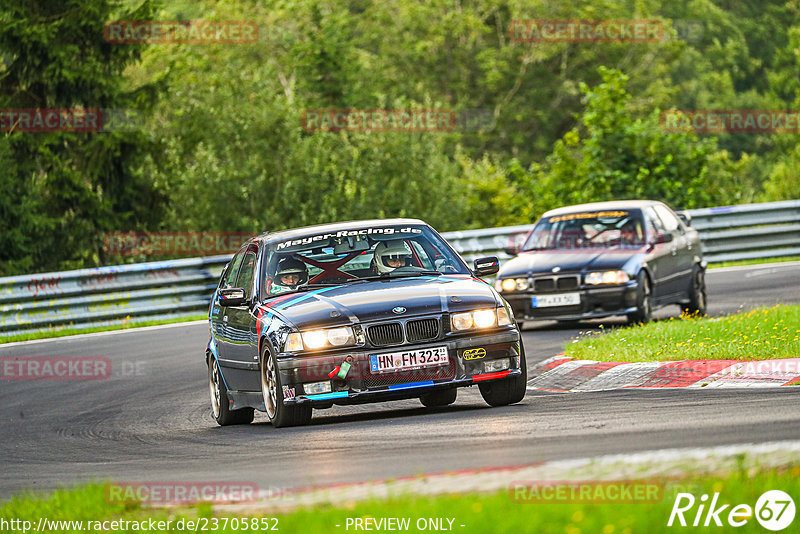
219,313
242,355
661,262
681,253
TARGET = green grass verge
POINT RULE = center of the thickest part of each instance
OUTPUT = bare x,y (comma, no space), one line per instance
760,334
761,261
478,513
75,331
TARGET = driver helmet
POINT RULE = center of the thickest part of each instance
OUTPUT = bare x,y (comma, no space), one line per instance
291,273
390,255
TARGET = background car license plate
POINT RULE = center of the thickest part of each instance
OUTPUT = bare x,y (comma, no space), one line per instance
564,299
409,359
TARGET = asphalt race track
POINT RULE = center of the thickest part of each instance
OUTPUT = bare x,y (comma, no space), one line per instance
151,420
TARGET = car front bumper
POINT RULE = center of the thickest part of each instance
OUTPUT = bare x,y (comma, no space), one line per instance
363,386
596,302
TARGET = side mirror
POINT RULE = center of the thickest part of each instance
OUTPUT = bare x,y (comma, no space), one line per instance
661,238
685,216
486,266
515,242
233,296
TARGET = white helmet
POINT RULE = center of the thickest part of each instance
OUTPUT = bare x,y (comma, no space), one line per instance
391,250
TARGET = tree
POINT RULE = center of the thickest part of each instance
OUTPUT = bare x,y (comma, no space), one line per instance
62,190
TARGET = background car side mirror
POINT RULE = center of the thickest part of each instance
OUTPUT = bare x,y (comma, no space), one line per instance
233,296
685,216
663,237
486,266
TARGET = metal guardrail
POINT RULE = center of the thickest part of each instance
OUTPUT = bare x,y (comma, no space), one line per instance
182,288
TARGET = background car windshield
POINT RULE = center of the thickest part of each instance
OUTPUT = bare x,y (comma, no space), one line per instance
348,255
594,229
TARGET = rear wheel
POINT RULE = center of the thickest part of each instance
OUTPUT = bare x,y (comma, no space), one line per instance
279,415
220,403
508,390
442,397
644,301
697,293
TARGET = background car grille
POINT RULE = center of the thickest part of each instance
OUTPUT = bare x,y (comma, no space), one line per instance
560,283
567,282
544,284
385,334
422,329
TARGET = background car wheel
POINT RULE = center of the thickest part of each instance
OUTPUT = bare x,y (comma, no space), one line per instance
509,390
279,415
439,398
697,293
220,403
644,301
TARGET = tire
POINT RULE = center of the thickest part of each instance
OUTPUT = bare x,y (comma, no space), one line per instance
279,414
509,390
220,403
697,293
442,397
644,301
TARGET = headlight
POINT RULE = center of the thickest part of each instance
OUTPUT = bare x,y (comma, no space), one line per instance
512,284
317,339
479,319
607,277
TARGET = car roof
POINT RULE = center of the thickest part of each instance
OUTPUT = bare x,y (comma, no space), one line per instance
598,206
269,237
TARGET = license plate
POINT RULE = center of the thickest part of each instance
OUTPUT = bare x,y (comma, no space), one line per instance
409,359
564,299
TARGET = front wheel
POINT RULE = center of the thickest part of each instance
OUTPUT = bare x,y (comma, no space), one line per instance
644,301
220,403
509,390
279,415
697,293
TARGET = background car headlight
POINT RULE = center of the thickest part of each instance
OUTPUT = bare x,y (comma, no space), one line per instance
317,339
512,284
509,284
607,277
480,319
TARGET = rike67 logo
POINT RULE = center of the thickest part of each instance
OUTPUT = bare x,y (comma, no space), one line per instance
774,510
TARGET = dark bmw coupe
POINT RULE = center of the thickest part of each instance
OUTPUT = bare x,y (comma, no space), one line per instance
353,313
606,258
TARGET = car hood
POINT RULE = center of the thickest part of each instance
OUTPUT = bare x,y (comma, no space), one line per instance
567,261
375,300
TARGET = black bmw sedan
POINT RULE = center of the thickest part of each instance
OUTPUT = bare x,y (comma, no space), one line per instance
356,312
602,259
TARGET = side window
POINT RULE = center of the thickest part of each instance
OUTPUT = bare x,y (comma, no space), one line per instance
654,222
245,279
671,222
233,270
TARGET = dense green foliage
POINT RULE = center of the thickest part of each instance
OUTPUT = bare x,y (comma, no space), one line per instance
220,144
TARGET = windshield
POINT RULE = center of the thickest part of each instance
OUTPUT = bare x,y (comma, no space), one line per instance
590,229
357,254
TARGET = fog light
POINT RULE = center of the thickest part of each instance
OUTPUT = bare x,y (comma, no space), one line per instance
493,366
315,388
